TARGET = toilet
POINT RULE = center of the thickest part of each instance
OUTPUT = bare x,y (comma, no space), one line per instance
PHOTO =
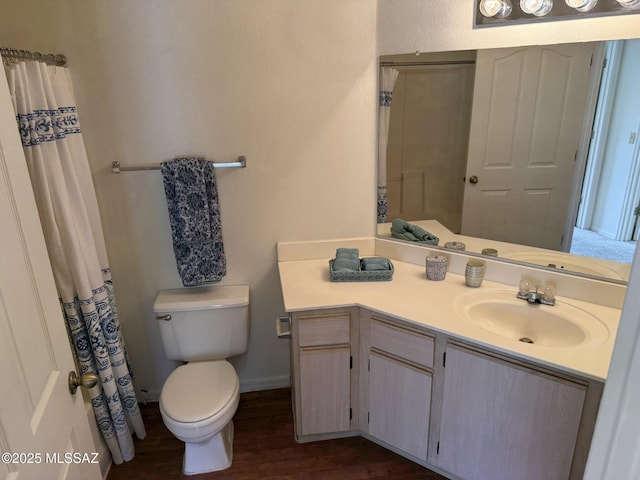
202,326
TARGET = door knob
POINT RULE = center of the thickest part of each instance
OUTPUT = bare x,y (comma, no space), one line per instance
86,380
473,179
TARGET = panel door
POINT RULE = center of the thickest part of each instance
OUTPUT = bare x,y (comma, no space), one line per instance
526,127
427,147
399,404
40,420
501,421
325,389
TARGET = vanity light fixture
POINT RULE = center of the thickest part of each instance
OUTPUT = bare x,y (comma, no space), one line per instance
539,8
629,3
581,5
490,13
495,8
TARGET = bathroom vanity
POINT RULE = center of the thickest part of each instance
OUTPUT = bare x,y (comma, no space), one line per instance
397,363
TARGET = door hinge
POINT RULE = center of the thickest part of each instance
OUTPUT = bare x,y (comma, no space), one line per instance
444,359
636,211
369,365
575,156
562,239
368,416
350,413
438,449
605,60
350,362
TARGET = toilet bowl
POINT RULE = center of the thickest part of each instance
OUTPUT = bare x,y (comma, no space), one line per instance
202,326
197,403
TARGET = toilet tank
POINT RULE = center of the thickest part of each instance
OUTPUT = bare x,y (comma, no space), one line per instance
203,323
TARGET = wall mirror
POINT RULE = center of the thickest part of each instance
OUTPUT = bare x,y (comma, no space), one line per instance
530,151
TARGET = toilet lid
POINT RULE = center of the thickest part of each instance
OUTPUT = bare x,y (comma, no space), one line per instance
197,391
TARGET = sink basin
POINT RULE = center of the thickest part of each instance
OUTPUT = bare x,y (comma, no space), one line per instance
563,261
501,313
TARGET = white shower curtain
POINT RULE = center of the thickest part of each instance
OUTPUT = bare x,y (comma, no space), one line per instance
59,169
388,77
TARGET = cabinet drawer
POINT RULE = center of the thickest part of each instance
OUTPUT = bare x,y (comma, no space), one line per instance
319,330
412,346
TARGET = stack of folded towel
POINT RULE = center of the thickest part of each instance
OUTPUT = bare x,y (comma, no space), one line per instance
406,231
370,264
347,260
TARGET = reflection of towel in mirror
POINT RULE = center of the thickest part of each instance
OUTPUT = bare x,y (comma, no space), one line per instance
194,213
414,233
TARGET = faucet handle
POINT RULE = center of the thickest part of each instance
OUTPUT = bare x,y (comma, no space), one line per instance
524,287
549,293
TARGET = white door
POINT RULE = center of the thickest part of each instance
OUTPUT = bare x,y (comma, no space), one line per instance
44,430
526,126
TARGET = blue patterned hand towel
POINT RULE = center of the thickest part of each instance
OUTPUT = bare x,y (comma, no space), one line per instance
194,213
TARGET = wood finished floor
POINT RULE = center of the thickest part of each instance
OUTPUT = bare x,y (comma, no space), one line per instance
265,449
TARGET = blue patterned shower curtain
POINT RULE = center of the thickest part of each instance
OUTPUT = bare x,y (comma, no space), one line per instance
388,77
59,169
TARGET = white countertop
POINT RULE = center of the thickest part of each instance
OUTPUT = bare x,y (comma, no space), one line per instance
411,297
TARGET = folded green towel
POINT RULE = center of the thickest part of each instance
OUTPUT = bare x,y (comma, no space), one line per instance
370,264
347,253
346,264
406,231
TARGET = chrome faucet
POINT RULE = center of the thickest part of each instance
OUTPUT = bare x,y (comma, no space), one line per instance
534,296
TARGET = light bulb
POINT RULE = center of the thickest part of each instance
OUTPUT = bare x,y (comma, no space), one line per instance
539,8
581,5
629,3
495,8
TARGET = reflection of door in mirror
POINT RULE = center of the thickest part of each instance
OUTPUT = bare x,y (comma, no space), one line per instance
528,110
426,159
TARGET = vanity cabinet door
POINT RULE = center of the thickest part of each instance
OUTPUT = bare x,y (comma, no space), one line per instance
398,383
503,421
399,404
322,365
324,390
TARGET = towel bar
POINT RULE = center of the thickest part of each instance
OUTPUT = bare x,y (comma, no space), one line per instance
117,168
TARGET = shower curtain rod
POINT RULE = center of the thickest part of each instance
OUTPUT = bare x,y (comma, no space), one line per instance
58,59
422,64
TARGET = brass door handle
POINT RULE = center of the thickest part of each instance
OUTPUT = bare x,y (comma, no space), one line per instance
473,179
86,380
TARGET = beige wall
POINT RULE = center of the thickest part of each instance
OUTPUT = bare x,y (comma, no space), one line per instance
288,83
291,84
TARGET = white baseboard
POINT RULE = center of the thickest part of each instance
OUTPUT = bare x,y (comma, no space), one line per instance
268,383
247,385
149,396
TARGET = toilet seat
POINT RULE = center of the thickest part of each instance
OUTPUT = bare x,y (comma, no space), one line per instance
199,398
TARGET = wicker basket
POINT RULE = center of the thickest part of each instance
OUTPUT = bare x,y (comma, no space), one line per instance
361,275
